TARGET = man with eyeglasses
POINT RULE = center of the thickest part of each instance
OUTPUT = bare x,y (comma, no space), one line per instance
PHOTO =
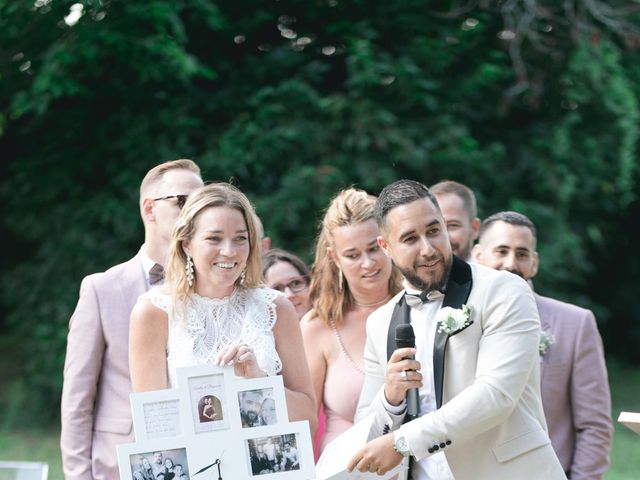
95,409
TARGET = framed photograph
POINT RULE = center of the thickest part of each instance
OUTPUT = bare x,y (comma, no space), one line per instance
206,391
279,452
153,459
156,414
261,402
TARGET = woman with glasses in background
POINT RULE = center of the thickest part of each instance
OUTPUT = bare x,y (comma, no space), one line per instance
351,277
285,272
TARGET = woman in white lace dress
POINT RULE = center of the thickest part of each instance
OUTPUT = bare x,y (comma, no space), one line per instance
351,277
213,309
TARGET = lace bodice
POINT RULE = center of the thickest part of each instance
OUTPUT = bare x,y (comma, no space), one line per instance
246,316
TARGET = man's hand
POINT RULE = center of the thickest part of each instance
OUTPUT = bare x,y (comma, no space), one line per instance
377,456
402,374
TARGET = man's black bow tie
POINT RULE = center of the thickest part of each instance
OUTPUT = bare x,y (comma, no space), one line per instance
156,274
416,300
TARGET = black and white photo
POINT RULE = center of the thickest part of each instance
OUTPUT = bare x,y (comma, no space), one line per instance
160,465
273,454
257,408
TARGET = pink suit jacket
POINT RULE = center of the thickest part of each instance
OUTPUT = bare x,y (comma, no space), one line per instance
95,409
575,389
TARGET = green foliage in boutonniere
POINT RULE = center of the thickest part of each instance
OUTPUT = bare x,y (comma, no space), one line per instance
452,320
546,340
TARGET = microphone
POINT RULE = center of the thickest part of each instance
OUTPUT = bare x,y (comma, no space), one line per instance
405,338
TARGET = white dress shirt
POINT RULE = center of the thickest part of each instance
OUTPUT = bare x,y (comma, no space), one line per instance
147,265
423,321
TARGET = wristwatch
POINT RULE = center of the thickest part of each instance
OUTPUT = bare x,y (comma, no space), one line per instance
401,446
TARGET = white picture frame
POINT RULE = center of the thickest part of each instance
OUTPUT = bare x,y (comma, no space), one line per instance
227,447
156,414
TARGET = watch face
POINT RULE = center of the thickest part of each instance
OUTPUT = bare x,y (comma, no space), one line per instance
402,447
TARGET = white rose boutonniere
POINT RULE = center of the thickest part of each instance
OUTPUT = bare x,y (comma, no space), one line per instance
454,320
546,340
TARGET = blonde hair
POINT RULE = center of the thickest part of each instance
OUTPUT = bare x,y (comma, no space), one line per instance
212,195
330,299
156,173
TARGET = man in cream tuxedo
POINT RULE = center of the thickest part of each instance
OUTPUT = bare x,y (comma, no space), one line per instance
95,410
575,386
478,377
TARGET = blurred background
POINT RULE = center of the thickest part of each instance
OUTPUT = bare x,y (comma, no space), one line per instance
533,104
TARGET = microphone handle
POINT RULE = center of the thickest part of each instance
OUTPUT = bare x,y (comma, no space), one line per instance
413,400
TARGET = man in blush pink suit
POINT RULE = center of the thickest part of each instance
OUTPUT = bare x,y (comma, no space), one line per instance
95,410
457,203
575,388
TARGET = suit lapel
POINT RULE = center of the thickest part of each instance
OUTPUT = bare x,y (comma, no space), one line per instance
458,291
401,314
545,327
133,283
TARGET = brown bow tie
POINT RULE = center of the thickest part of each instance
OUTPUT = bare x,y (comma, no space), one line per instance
156,274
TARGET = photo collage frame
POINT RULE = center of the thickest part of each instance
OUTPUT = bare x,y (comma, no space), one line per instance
216,426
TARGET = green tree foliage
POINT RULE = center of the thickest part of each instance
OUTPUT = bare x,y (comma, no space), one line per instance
536,110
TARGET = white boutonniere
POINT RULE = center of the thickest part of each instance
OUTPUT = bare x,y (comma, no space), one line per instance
546,340
453,320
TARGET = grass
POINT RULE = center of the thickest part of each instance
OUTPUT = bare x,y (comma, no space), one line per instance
625,393
42,445
33,446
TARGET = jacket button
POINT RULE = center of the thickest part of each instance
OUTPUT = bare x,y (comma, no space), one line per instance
442,445
430,450
436,447
448,442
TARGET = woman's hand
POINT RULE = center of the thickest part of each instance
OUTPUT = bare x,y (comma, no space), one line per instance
242,358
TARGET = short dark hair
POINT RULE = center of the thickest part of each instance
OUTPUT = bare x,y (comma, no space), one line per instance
400,193
462,191
275,255
512,218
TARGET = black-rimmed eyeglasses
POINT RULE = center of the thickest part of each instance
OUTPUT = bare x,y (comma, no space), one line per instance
296,285
181,199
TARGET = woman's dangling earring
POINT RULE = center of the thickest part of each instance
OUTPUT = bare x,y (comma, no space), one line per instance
243,275
189,270
340,279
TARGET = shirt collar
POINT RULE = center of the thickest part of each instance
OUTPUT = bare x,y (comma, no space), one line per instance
147,263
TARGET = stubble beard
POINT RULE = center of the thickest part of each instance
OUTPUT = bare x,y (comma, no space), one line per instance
438,283
463,251
515,272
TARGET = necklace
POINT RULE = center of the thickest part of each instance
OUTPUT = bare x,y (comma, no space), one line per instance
374,304
344,350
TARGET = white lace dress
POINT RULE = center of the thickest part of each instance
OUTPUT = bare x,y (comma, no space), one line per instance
246,316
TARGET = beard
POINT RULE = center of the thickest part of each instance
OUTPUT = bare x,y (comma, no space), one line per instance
462,251
515,272
251,415
437,282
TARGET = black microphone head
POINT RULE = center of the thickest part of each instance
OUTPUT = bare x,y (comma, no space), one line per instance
405,336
